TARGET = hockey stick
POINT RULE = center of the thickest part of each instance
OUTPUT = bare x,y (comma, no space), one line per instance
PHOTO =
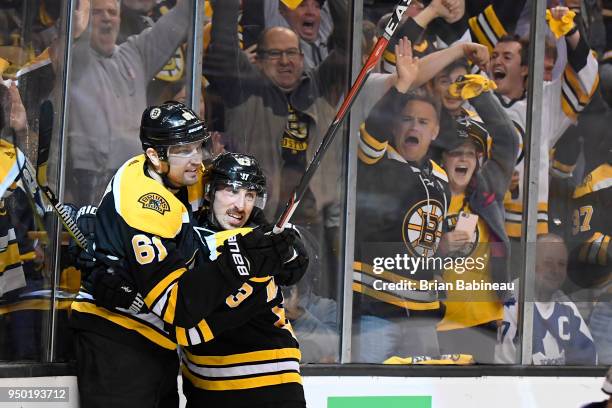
369,65
45,134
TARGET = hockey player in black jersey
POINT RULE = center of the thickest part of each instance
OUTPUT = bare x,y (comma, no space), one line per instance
127,357
402,199
256,363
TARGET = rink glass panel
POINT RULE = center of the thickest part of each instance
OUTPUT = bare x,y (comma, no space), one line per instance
326,216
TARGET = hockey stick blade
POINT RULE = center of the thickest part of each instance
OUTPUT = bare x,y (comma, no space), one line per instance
369,65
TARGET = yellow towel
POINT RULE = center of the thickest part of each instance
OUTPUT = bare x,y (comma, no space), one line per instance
292,4
470,86
4,64
444,359
208,9
560,27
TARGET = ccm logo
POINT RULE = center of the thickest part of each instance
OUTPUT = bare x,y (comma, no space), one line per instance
239,261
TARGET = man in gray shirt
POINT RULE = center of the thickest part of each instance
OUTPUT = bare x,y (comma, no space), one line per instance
108,93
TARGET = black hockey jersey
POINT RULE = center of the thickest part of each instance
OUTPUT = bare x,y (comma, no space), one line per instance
592,226
147,230
495,21
401,207
256,360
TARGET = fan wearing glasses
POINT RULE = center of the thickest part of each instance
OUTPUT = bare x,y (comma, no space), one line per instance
280,57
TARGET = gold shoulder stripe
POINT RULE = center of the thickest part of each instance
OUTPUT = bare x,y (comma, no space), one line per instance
598,179
144,203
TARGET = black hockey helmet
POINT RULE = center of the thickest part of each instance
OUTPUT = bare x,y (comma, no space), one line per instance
239,171
170,124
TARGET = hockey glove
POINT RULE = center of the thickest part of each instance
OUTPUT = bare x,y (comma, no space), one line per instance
86,220
295,267
86,223
111,290
255,254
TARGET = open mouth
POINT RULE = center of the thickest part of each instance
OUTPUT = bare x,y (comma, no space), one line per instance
309,25
461,170
498,74
235,216
411,140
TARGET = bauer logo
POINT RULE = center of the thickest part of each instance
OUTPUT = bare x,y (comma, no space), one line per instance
155,202
242,265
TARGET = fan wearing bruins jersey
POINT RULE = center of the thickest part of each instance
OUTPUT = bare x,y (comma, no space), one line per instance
255,363
564,98
591,253
127,357
470,319
402,199
444,22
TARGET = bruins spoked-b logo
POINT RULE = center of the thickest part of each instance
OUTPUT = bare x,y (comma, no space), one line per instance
155,202
422,227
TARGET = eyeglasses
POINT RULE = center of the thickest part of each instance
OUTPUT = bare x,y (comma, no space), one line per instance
274,55
186,151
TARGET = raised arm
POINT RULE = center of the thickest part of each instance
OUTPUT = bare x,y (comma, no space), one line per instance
377,131
226,66
415,27
569,94
157,44
497,171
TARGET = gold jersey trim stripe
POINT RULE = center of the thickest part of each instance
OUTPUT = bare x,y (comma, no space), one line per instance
125,322
242,358
242,384
371,140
